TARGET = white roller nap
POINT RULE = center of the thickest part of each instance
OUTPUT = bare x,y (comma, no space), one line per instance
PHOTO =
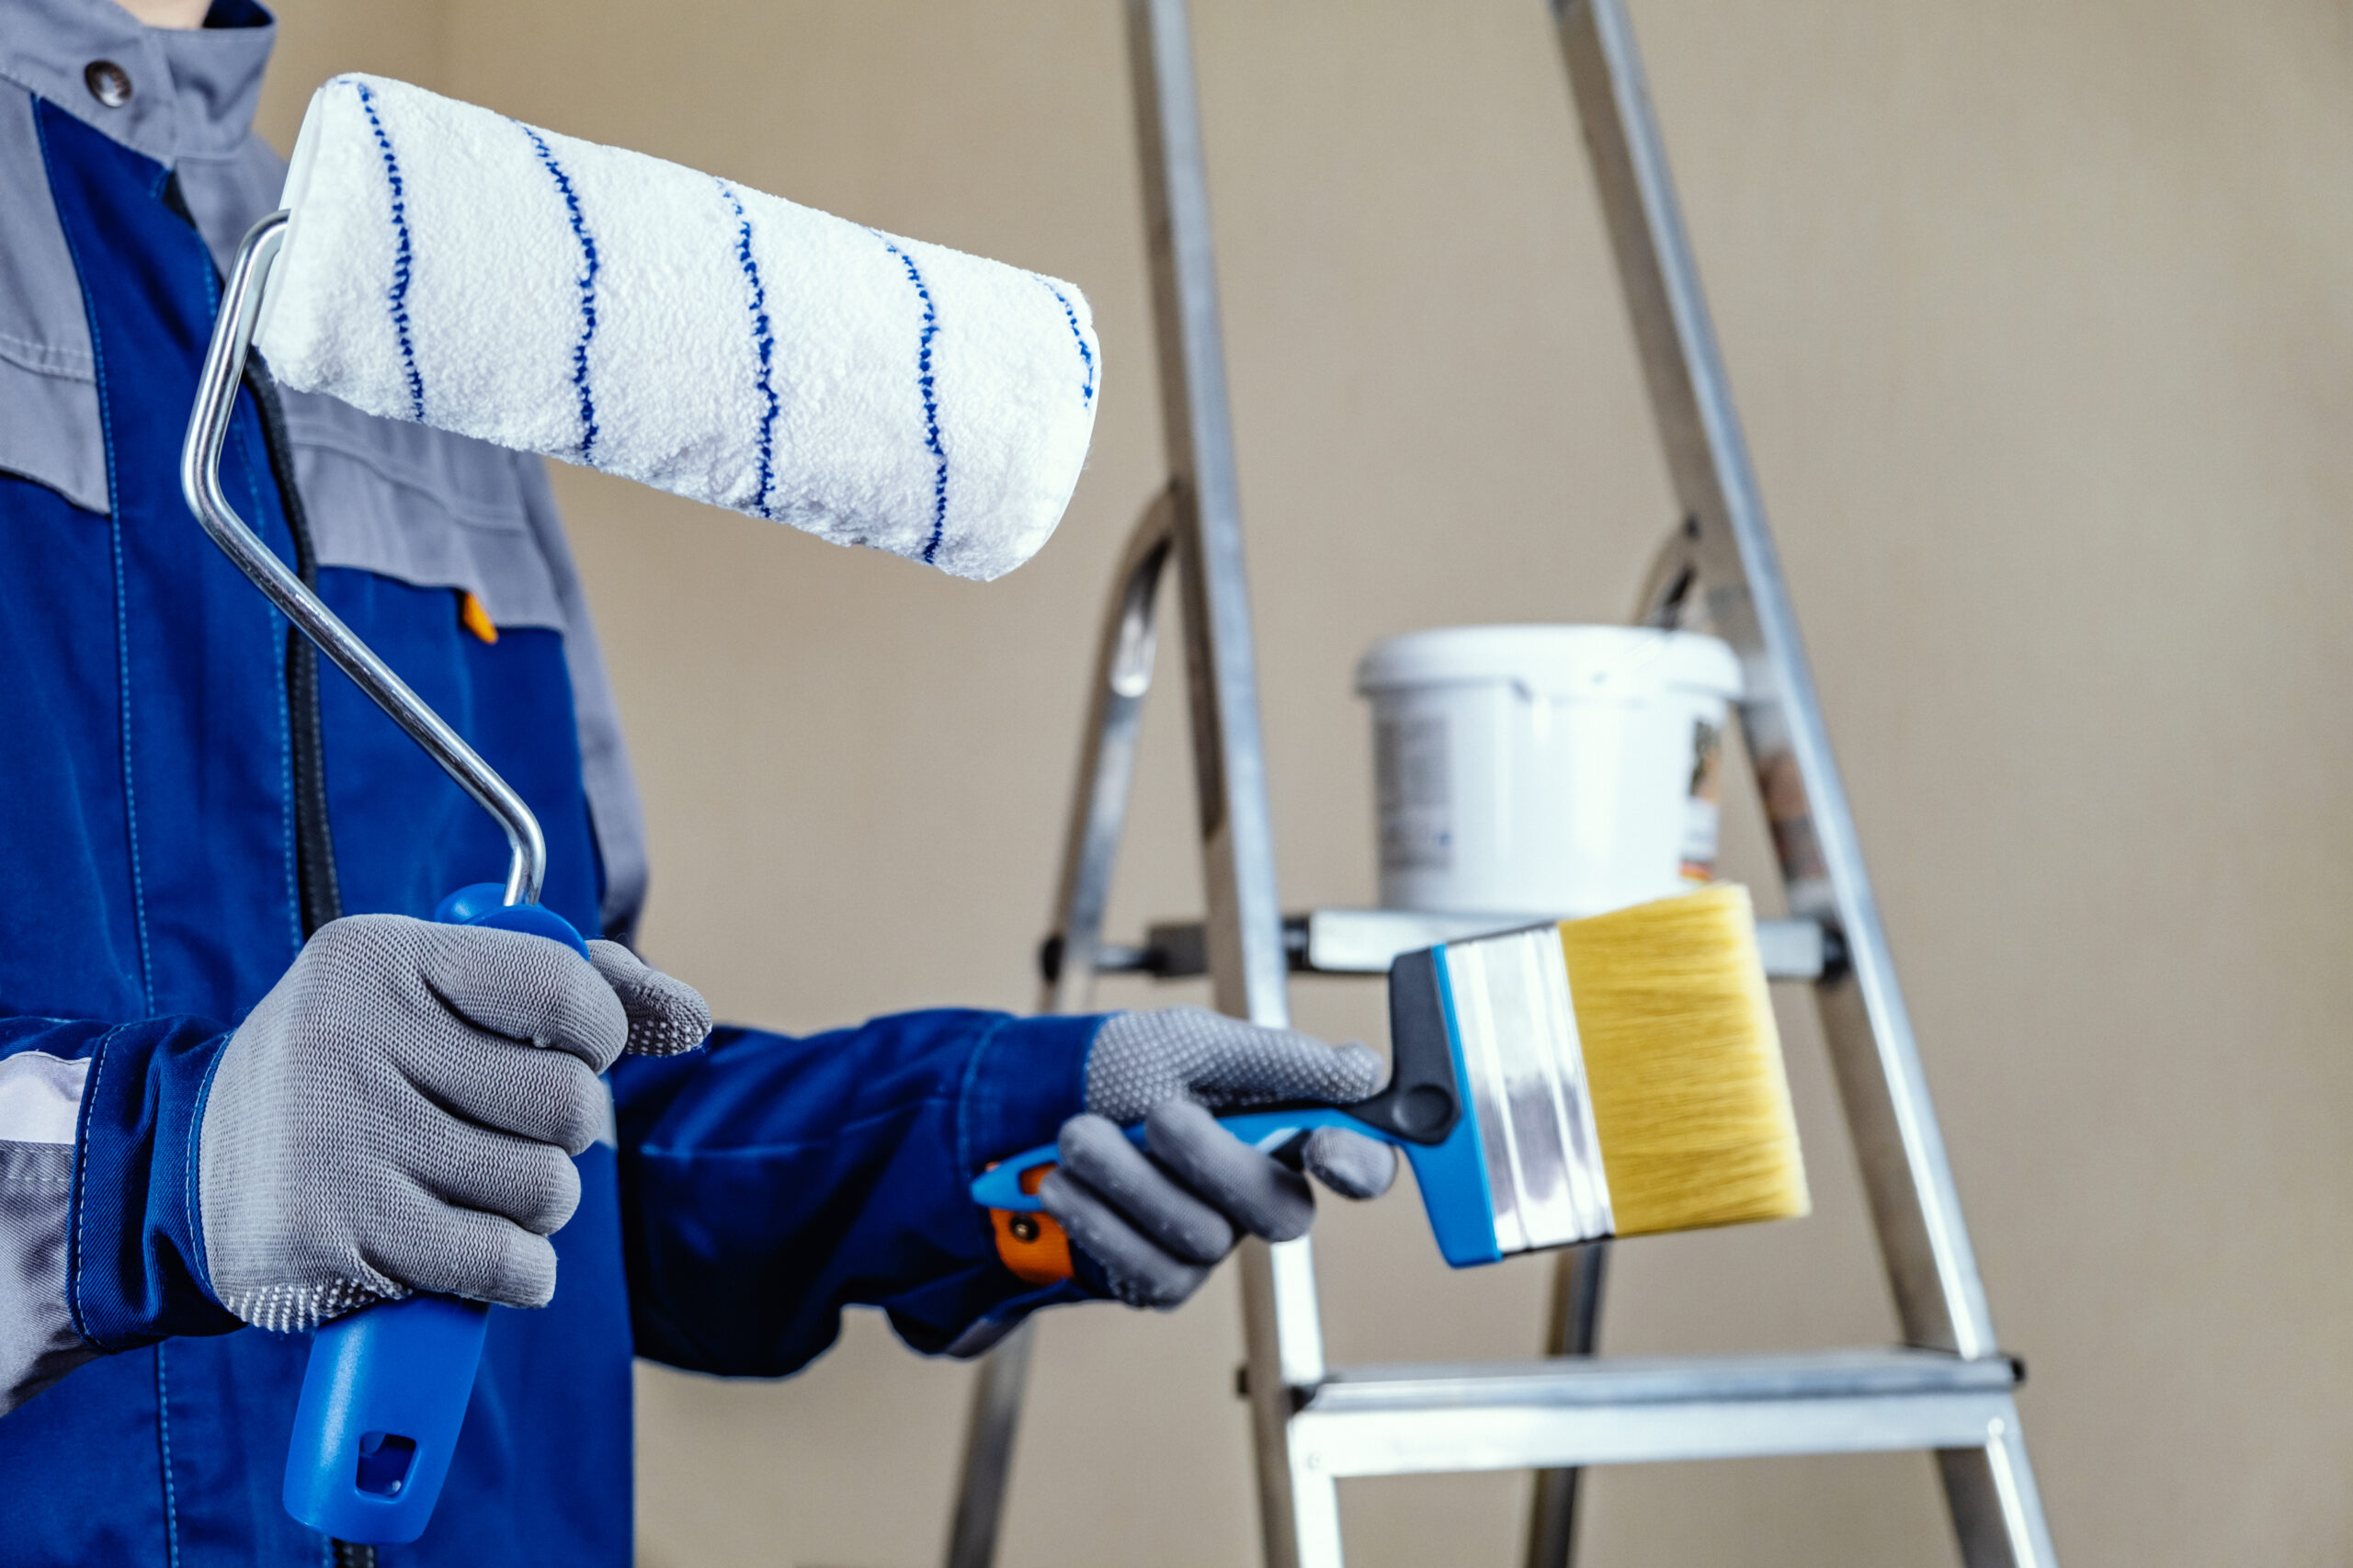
453,266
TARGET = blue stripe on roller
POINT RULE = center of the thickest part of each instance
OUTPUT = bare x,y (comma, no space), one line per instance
766,342
1086,354
930,403
398,296
587,296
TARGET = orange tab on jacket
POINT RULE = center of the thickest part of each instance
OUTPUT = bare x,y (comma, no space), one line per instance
1032,1245
474,618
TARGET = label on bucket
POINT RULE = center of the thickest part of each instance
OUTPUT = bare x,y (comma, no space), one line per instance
1416,793
1702,814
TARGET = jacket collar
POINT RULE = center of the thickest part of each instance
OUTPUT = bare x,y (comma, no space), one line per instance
192,94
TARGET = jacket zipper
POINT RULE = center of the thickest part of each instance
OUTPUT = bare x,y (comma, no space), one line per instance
315,876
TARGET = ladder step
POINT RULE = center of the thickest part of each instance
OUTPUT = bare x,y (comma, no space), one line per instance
1574,1412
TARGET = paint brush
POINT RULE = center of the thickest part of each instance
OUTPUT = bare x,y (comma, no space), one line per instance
1618,1075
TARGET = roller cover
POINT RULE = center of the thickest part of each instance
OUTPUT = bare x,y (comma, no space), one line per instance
452,267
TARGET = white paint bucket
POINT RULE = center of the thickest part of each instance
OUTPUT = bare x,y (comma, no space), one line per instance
1552,770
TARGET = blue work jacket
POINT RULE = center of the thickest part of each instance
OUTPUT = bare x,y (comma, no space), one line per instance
187,792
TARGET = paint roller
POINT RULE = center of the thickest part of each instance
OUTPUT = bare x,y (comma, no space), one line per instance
438,263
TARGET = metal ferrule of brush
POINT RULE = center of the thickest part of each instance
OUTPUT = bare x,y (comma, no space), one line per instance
216,403
1507,998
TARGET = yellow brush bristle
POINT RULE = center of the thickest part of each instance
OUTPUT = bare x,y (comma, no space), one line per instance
1689,1094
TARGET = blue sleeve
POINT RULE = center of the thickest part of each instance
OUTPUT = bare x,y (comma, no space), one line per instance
134,1268
769,1182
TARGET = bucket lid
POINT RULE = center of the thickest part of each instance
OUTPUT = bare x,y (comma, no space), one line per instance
1617,662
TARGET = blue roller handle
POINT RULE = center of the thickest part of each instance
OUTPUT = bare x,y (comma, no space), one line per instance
387,1388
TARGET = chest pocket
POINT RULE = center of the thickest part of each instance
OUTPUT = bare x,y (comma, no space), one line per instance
51,433
422,508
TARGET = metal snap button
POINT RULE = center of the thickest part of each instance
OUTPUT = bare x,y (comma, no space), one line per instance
108,82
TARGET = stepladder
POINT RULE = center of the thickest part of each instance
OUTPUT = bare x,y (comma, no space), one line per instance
1948,1388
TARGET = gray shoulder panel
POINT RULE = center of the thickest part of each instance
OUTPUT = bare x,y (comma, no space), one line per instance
38,1343
42,325
50,429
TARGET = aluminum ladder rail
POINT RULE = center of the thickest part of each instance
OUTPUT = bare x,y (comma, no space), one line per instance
1949,1389
1722,563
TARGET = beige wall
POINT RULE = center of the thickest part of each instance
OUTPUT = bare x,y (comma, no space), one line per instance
2043,321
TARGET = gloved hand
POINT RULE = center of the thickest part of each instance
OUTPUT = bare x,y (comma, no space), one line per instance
397,1113
1154,1224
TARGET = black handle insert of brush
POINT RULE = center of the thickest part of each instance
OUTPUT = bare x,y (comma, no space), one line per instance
1423,1102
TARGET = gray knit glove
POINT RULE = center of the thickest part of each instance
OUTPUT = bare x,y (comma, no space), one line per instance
1154,1224
397,1113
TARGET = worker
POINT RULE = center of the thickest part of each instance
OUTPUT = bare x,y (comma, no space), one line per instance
245,1087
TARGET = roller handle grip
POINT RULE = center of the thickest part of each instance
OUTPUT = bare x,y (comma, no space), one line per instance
387,1387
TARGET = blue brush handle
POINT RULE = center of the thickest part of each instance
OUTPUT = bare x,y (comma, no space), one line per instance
1424,1110
999,1187
387,1388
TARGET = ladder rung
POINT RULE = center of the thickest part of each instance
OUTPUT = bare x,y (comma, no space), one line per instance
1573,1412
